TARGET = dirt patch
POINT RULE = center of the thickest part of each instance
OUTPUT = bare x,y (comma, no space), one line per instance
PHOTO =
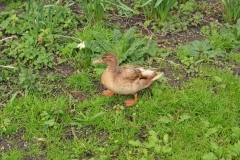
64,69
77,95
2,6
236,69
99,86
16,140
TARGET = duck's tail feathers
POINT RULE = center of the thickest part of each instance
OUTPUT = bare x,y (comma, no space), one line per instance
158,75
146,72
150,73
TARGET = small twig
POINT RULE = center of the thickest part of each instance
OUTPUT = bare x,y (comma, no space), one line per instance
118,15
11,67
74,133
142,25
149,41
4,39
149,32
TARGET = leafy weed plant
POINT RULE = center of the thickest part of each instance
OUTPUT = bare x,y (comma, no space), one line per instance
225,37
93,9
28,80
220,41
127,47
122,8
157,9
231,10
38,27
186,15
154,143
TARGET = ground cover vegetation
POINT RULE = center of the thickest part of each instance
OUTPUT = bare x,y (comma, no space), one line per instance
51,102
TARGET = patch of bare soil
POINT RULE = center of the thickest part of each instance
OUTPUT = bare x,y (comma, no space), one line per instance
2,6
236,69
17,141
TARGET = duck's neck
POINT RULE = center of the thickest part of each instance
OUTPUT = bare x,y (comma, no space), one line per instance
112,67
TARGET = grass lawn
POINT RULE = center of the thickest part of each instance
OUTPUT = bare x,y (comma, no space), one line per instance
52,106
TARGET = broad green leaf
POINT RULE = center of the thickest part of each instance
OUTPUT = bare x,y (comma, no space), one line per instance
152,133
236,132
129,34
94,46
205,123
214,146
165,119
150,144
238,27
236,148
153,138
99,71
5,23
103,42
50,122
22,78
184,117
165,138
136,143
166,149
217,79
157,148
152,48
222,86
211,131
116,36
124,7
209,156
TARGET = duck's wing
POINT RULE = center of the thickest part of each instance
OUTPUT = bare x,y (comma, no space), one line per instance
128,73
133,73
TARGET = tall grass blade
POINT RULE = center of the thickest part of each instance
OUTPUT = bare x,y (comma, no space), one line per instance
146,3
13,97
158,3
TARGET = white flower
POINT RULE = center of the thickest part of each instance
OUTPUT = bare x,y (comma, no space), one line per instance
81,45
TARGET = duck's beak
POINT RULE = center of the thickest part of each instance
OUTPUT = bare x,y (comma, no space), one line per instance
98,61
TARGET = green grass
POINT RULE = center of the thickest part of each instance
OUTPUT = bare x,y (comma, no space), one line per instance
231,13
201,117
80,81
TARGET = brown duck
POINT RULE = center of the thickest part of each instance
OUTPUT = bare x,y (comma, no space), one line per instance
125,79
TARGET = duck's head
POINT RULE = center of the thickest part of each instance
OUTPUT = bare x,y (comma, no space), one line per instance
108,58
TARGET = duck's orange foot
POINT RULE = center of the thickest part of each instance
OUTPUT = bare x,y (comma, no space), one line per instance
108,93
130,102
